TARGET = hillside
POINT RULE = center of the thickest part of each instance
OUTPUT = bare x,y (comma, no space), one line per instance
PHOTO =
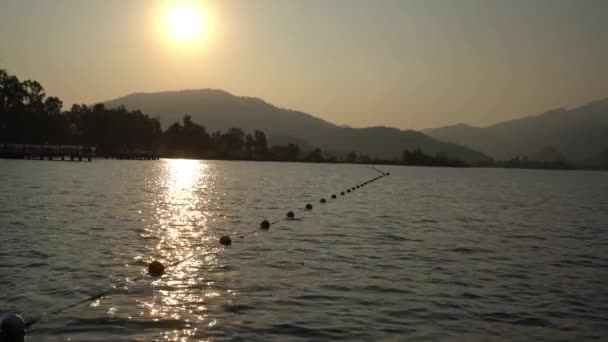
219,110
579,135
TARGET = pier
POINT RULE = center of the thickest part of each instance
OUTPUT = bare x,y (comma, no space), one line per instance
47,152
140,155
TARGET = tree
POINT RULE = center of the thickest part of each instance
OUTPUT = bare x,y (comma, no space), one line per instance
260,145
249,146
315,156
291,152
234,142
351,157
33,94
189,140
53,105
364,158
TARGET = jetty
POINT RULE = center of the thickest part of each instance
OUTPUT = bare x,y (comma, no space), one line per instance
47,152
134,155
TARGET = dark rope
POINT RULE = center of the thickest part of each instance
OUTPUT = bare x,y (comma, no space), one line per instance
67,307
106,292
378,170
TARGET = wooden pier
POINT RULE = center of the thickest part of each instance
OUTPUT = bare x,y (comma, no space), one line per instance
47,152
134,156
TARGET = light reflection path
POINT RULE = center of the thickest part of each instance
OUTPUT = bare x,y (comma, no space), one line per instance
187,302
181,224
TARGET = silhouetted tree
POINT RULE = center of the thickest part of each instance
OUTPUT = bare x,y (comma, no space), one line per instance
364,159
351,157
189,140
27,115
291,152
249,143
260,145
235,142
417,157
315,156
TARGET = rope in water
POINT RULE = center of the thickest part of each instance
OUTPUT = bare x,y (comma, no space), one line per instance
157,269
108,291
265,225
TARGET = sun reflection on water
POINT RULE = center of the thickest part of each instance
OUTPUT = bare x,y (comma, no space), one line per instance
183,295
179,213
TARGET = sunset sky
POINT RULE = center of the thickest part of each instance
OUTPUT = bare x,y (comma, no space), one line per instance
409,64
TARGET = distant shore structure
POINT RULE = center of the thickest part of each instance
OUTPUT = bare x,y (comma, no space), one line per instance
134,156
68,152
47,152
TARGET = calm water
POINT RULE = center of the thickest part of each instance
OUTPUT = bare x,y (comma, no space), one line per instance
425,254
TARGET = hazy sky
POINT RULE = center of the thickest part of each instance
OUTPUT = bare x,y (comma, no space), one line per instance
409,64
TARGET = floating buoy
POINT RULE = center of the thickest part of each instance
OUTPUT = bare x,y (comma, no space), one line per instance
342,193
290,214
333,196
348,190
308,207
265,224
156,268
225,240
13,328
388,173
323,200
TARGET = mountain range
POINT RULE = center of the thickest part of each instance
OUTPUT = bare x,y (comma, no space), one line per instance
220,110
578,135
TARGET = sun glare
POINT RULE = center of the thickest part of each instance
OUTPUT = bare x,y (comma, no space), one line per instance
184,22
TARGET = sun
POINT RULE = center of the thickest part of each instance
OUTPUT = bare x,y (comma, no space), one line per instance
184,22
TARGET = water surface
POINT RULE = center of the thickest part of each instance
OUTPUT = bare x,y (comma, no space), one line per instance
425,254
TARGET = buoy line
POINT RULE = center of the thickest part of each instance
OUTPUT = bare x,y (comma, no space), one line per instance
14,327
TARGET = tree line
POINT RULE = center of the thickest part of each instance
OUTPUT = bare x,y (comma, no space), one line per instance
29,116
524,162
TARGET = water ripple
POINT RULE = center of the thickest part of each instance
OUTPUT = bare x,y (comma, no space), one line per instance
425,254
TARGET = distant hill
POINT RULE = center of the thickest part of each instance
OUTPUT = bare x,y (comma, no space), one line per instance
579,135
220,110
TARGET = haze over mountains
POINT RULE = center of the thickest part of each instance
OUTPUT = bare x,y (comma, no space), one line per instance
220,110
578,135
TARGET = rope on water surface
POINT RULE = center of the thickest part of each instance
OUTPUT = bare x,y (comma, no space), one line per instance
157,269
106,292
265,225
